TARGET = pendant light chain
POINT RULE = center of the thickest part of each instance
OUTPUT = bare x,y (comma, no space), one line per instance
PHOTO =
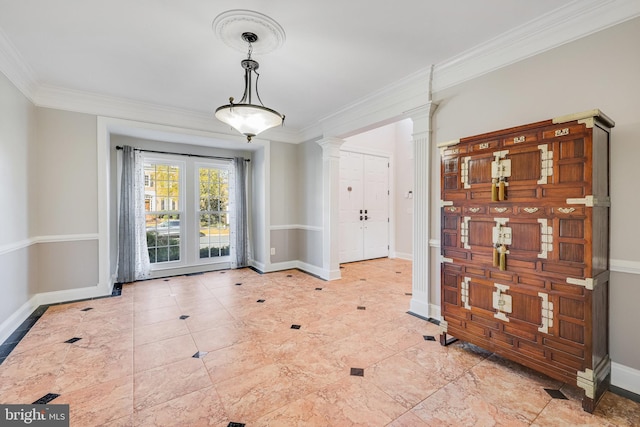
247,118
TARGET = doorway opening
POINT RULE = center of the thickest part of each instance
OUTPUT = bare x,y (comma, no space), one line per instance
375,194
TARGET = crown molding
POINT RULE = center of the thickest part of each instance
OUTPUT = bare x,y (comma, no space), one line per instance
575,20
384,105
120,108
15,68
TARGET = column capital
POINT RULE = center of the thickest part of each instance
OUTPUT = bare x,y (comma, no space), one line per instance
330,146
421,117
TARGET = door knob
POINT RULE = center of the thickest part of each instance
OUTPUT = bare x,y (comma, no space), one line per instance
366,217
360,217
365,211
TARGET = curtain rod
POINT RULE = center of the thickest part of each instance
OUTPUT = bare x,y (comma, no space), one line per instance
202,156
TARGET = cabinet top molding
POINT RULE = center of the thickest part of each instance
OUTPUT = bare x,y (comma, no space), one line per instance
587,118
448,143
585,115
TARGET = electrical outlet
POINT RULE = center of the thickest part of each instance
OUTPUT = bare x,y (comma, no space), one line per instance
273,251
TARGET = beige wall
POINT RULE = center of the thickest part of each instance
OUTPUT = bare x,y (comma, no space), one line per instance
65,186
65,179
66,265
600,71
404,183
16,147
284,184
48,183
309,160
16,204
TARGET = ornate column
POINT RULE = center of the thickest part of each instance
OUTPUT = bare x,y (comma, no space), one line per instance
330,207
421,208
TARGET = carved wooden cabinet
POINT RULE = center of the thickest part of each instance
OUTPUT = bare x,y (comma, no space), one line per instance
525,246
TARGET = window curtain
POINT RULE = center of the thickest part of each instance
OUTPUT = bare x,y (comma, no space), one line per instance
238,209
133,255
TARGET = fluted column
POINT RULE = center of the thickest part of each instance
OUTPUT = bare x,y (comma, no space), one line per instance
422,145
330,207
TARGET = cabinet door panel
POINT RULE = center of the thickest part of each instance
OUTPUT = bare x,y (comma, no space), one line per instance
479,170
526,237
480,232
481,295
571,173
526,307
572,149
525,165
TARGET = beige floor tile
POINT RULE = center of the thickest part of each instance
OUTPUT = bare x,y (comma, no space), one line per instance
99,404
200,408
457,404
264,390
409,419
236,360
155,386
86,367
160,331
134,367
155,315
219,337
160,353
448,362
613,410
407,382
349,402
26,389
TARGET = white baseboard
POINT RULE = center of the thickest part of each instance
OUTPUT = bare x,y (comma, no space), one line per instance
279,266
257,265
288,265
403,255
73,294
419,307
435,311
625,377
15,320
311,269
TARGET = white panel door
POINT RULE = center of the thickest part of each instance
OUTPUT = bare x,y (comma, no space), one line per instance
351,197
376,207
364,206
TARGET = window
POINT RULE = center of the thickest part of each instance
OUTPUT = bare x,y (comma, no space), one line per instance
163,215
213,211
187,211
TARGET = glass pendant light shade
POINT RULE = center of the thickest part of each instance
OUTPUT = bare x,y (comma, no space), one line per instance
247,118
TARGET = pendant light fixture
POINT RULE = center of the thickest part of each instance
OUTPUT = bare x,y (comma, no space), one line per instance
247,118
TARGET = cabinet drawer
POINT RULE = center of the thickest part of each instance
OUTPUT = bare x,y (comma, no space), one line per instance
484,145
520,138
563,131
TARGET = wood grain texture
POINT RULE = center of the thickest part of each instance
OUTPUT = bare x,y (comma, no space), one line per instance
552,326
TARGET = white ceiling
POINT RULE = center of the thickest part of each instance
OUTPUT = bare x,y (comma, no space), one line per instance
164,52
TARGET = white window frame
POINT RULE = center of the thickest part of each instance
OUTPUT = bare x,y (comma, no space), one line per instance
182,167
209,164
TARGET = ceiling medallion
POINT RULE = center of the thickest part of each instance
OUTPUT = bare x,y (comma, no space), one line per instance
241,27
230,25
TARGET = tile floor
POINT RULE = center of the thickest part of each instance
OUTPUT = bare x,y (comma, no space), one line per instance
222,349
